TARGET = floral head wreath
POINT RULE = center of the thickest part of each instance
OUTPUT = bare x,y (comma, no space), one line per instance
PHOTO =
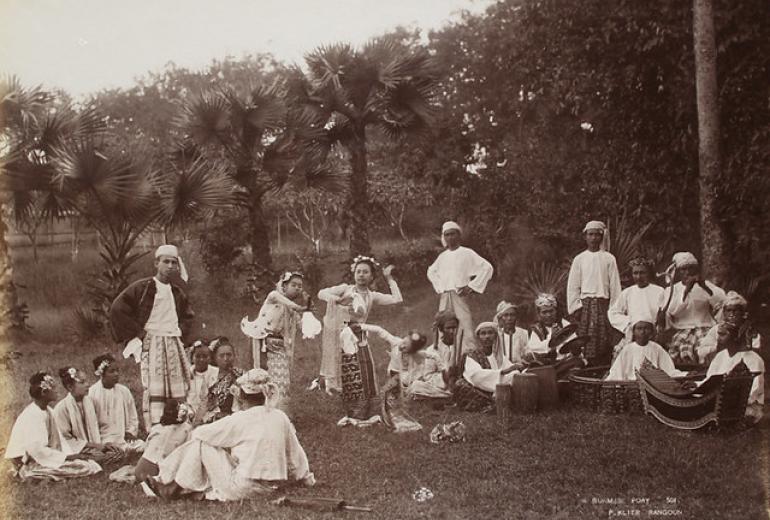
102,367
72,373
362,258
184,413
285,277
46,383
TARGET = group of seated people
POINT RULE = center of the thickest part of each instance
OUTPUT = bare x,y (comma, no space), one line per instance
228,440
709,334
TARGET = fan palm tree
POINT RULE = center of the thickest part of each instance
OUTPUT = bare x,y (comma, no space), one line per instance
262,145
61,162
384,85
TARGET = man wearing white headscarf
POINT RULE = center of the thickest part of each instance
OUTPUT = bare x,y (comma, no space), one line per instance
457,273
735,311
153,316
513,339
592,287
690,304
549,322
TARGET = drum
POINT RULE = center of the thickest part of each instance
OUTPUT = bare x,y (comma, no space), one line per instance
548,391
525,391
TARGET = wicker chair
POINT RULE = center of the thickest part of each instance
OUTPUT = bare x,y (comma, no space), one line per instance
721,400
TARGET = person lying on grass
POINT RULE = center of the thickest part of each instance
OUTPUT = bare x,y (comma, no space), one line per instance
642,347
34,446
483,369
421,373
115,406
731,351
172,431
76,418
249,452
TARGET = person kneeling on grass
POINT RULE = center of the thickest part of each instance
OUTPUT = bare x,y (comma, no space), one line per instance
483,369
642,347
731,352
172,431
34,445
75,417
115,407
420,372
246,453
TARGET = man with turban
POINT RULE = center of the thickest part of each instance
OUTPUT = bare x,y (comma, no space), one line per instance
592,287
457,273
513,339
690,304
735,311
483,369
153,316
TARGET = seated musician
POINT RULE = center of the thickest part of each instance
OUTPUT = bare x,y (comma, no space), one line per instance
550,336
642,348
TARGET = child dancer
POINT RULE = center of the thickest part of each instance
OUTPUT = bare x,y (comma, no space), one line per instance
202,377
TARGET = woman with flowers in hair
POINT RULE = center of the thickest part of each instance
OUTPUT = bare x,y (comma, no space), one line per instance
276,330
115,406
244,454
202,377
76,419
345,304
35,446
172,431
220,401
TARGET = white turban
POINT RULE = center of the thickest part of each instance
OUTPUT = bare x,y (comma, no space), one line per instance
679,260
545,300
502,308
448,226
485,325
258,381
733,299
172,251
598,224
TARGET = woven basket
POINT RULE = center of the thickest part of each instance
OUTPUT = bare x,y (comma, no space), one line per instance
589,390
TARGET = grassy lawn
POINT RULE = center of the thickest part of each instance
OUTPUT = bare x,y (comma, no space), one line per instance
558,464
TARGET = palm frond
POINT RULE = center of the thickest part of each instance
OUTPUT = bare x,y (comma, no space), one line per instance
543,277
206,119
193,191
328,64
626,242
20,106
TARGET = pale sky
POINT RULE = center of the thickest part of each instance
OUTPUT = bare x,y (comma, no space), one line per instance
86,45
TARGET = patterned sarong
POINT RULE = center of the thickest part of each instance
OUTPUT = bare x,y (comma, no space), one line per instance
359,383
165,375
596,326
470,398
684,343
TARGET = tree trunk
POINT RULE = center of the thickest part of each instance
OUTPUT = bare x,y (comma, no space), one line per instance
8,297
715,261
260,237
358,202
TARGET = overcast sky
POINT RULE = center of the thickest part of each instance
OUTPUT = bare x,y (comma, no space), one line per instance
86,45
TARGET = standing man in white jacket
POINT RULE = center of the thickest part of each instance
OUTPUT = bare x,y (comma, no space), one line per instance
457,273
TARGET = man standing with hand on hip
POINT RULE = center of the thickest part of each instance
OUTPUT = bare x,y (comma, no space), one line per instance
457,273
153,315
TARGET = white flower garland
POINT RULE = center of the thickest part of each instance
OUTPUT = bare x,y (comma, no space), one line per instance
101,368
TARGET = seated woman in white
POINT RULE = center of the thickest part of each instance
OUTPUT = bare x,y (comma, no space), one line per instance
642,347
35,443
115,406
239,455
202,377
731,352
76,420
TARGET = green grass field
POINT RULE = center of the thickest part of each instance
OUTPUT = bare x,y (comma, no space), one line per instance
558,464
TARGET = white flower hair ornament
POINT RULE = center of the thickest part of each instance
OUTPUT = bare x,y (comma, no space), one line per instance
185,413
72,372
101,368
362,258
47,383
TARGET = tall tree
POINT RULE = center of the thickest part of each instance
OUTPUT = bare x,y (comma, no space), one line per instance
385,85
714,248
262,144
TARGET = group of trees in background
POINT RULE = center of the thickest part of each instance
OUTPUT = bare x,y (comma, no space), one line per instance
524,120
